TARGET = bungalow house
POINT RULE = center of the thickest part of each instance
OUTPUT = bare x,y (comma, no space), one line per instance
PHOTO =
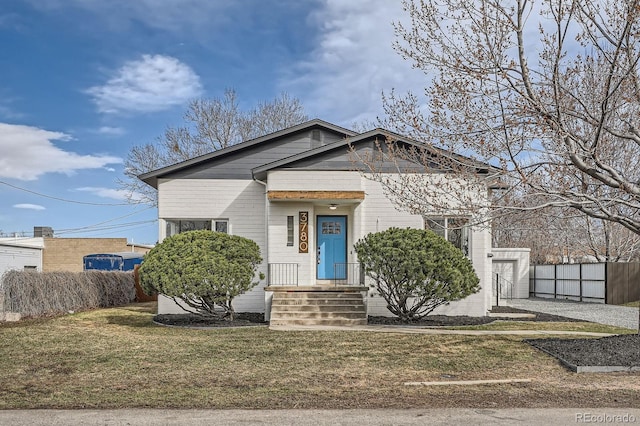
297,194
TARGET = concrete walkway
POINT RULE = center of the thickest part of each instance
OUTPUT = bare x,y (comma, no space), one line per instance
619,316
429,330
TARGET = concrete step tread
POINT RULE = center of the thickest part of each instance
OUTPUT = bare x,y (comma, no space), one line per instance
316,308
317,302
309,315
316,295
319,321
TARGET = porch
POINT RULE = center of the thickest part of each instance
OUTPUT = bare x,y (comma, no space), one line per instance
338,301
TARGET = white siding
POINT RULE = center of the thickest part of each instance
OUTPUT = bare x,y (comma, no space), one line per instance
16,258
240,201
312,180
520,258
279,252
243,203
378,213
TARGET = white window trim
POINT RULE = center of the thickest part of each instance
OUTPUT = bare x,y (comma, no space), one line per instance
291,231
465,228
214,224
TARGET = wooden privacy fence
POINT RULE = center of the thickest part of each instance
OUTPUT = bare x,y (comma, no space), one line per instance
613,283
141,296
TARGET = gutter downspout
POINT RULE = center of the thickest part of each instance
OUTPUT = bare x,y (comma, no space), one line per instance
266,214
267,307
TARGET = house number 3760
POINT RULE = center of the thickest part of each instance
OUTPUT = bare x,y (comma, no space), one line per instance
303,244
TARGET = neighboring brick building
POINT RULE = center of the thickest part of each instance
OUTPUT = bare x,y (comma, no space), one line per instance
65,254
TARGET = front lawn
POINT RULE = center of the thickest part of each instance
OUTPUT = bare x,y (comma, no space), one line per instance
117,358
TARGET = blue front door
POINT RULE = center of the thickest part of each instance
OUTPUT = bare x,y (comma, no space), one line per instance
332,247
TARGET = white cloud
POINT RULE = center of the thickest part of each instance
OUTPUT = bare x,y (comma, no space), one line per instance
27,152
29,206
111,131
116,194
151,83
353,63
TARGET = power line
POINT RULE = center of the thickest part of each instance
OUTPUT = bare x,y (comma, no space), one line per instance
105,228
96,226
88,227
100,234
65,200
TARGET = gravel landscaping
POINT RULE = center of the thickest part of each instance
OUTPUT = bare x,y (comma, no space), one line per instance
618,316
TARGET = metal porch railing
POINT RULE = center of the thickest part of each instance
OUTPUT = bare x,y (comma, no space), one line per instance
283,274
348,274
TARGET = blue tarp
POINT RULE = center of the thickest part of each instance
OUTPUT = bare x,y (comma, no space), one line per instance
125,261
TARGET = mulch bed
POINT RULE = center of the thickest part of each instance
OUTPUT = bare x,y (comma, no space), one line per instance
622,350
241,319
453,321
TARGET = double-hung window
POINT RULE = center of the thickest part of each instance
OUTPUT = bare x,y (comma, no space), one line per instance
177,226
221,225
453,229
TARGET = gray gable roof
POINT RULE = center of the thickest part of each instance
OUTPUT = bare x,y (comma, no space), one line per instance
290,148
283,144
336,156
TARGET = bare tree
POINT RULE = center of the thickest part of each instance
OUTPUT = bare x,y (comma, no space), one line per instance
561,235
210,125
547,91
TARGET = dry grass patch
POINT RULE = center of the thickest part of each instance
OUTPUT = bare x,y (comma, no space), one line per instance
588,327
115,358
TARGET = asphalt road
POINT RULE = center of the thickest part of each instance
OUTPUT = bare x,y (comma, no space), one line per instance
534,417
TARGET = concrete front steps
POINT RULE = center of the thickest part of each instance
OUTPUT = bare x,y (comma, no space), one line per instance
314,305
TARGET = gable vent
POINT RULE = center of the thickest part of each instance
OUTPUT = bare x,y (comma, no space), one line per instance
316,138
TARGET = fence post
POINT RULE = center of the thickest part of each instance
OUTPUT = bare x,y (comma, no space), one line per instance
497,290
555,281
533,287
606,284
580,280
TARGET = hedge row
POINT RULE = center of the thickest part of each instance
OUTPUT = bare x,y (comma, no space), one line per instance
34,294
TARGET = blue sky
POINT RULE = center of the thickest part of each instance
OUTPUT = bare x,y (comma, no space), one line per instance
82,81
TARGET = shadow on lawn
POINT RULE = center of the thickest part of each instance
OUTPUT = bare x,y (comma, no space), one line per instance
131,321
130,315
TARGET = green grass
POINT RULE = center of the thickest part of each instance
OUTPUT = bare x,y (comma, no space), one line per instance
117,358
633,304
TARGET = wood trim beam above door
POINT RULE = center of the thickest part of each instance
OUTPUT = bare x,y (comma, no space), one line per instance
315,195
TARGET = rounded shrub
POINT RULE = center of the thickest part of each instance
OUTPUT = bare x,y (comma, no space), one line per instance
416,270
202,271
